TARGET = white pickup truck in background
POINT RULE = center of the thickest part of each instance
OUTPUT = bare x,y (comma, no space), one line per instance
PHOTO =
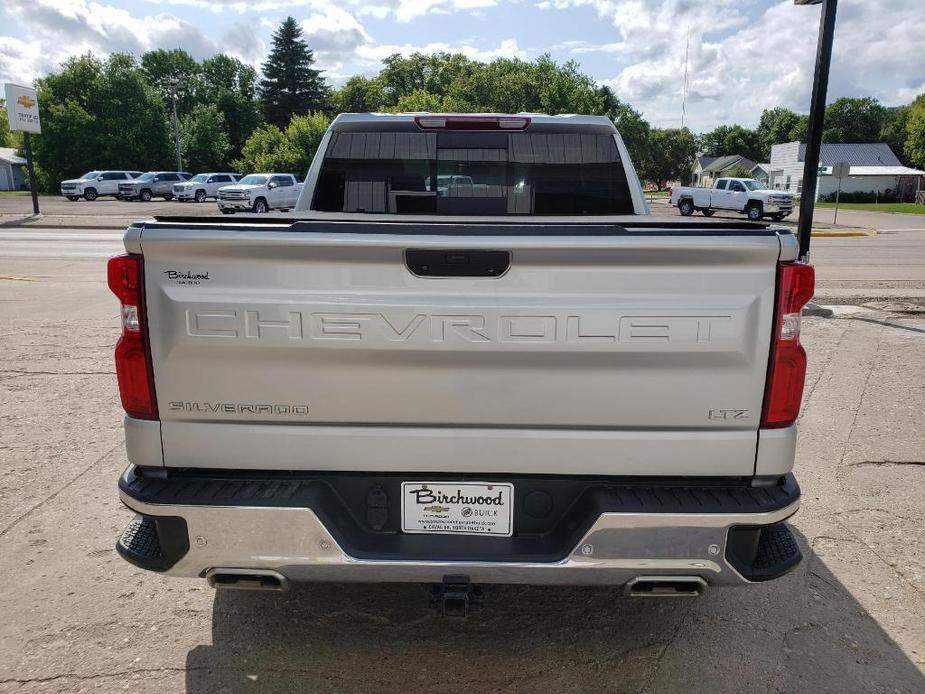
259,193
746,195
472,356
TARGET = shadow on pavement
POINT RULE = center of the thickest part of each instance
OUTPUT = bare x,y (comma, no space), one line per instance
802,633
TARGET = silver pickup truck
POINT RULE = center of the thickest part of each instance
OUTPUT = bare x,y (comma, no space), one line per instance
469,356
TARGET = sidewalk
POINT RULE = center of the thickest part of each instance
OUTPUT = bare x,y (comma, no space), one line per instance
64,221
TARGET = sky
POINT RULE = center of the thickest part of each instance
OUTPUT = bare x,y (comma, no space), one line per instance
742,56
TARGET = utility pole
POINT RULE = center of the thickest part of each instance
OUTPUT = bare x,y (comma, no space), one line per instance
27,145
176,125
816,117
687,52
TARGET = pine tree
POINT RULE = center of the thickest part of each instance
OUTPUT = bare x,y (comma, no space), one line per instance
290,86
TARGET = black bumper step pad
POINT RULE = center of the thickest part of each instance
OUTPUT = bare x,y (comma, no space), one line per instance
141,543
760,554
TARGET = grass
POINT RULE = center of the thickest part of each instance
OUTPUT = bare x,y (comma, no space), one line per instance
898,207
657,193
20,193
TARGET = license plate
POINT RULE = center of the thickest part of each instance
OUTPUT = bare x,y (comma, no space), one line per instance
457,508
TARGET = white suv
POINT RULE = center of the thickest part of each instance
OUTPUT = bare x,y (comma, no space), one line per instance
95,183
204,185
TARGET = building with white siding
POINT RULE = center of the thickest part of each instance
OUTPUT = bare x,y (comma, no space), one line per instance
12,176
874,169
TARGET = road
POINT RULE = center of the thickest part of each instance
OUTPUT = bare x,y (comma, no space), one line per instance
851,618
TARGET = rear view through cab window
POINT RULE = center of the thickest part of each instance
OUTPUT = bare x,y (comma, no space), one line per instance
473,173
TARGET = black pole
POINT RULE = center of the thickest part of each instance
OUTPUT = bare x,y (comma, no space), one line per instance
27,145
816,117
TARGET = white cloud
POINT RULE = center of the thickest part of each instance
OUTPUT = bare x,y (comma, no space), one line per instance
57,31
742,61
335,35
403,10
507,48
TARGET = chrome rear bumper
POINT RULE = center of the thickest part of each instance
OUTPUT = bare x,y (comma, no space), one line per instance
617,548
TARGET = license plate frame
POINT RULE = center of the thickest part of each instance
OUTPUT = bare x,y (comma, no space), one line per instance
472,508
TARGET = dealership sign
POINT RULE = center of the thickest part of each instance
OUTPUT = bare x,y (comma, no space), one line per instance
22,108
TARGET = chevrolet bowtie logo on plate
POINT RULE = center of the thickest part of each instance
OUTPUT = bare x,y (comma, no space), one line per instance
25,101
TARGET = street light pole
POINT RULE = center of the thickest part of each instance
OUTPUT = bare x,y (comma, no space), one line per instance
176,126
816,117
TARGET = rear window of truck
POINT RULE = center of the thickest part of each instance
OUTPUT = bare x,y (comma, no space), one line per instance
472,173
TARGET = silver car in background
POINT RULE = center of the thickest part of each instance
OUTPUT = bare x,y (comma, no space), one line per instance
204,185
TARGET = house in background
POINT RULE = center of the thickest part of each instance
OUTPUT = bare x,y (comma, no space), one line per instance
12,175
761,172
874,169
707,169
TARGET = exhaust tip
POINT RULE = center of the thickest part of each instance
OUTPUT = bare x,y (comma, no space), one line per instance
665,586
247,579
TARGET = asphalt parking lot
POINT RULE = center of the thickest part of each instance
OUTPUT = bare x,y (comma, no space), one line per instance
851,618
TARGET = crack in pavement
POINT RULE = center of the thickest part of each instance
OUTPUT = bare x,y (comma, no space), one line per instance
99,675
16,373
68,484
656,666
892,567
886,462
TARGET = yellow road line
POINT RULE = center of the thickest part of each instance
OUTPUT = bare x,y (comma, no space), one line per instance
838,233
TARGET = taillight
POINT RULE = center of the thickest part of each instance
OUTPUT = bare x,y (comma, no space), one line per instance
133,362
787,365
437,122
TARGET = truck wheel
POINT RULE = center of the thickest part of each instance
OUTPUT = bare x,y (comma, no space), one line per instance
168,196
227,211
89,194
777,217
260,206
73,198
754,211
145,195
708,213
686,207
200,195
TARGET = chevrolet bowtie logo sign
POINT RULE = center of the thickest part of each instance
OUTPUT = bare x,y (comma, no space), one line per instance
25,101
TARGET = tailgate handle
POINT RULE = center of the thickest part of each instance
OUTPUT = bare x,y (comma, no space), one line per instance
457,263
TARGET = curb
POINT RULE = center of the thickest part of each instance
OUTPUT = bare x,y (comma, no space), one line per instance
841,233
70,227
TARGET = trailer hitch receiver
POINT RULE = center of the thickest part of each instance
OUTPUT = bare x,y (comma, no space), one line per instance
456,597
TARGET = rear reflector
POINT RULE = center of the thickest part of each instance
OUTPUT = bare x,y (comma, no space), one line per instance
133,359
787,364
472,122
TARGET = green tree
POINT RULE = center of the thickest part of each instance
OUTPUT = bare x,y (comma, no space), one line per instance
290,86
634,129
732,139
204,142
738,171
290,150
895,129
359,95
173,70
672,153
4,125
774,128
853,120
434,73
231,86
800,130
99,114
914,148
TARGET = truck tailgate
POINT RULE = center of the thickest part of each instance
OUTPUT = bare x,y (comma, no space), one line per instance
310,347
